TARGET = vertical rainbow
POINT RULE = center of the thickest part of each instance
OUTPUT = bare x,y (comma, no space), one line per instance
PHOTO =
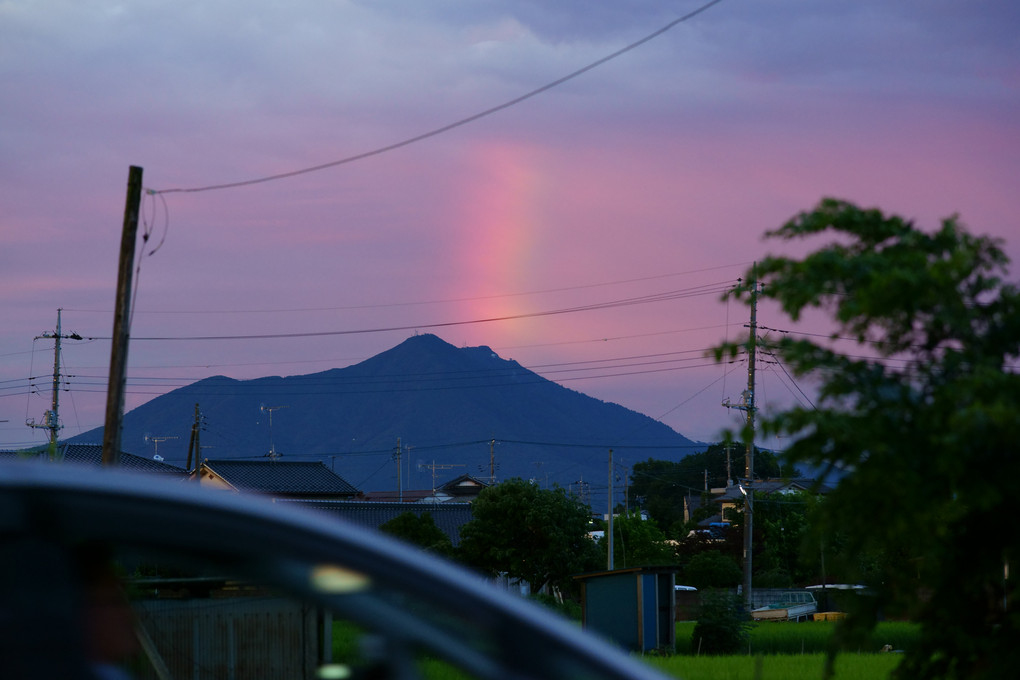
500,220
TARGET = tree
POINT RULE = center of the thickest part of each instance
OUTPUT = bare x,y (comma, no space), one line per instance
662,485
919,402
711,569
538,535
638,543
784,553
420,530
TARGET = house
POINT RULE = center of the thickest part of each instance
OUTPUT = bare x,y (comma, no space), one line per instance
463,489
92,455
277,478
732,497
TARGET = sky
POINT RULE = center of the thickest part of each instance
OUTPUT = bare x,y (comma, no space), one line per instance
586,232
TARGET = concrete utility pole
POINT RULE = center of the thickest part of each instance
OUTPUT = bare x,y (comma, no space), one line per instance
52,417
747,405
752,350
492,461
122,321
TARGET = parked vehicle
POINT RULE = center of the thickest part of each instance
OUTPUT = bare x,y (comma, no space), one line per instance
794,605
212,584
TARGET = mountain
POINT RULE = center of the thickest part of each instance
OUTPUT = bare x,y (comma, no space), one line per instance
447,406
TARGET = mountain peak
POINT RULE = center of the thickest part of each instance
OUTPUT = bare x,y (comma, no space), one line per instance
452,407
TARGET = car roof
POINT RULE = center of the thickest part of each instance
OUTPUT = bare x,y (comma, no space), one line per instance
110,505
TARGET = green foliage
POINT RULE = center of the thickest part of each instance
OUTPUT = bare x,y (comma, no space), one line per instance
785,552
919,402
565,606
538,535
639,543
712,569
662,485
420,530
722,627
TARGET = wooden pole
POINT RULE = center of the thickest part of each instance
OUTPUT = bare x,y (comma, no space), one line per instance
122,321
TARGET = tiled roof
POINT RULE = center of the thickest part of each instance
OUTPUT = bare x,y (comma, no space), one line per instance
772,486
465,485
296,478
449,517
394,496
92,454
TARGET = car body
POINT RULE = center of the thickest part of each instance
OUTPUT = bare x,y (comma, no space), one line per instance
227,585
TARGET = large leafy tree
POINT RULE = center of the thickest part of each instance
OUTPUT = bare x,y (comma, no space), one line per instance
420,530
537,535
784,554
639,542
919,402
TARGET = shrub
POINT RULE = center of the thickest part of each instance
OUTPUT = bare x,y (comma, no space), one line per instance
722,626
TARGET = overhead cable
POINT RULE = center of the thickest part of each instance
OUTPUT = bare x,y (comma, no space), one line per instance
445,128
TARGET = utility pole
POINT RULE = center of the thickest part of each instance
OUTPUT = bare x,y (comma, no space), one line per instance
752,351
194,448
52,417
122,321
492,461
400,488
609,532
748,407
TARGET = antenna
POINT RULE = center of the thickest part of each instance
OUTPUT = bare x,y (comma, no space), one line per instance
155,441
440,466
269,409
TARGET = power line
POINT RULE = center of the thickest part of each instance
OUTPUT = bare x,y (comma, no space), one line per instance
383,305
708,289
445,128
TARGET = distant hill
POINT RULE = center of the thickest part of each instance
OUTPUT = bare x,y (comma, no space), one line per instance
446,404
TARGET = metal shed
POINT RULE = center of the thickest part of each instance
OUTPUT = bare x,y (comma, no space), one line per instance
634,607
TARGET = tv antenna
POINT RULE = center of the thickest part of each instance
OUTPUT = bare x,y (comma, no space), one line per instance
269,409
155,444
439,466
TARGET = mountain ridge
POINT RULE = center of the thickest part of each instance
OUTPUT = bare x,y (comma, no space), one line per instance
450,408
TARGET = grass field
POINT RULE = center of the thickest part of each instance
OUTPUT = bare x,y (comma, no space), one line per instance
778,651
775,667
804,638
788,651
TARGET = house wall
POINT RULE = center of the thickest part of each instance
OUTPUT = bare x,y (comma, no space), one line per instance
212,481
